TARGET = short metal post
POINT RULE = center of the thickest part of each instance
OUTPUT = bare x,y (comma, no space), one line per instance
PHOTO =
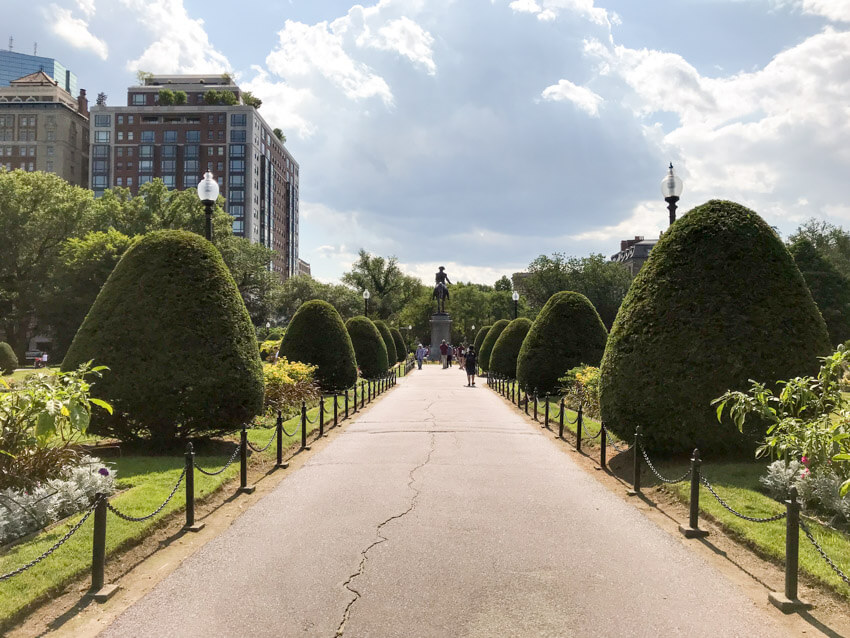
322,416
526,402
99,590
244,488
535,404
579,424
336,410
561,420
191,525
788,602
346,403
362,396
635,491
603,447
692,530
546,412
304,426
279,425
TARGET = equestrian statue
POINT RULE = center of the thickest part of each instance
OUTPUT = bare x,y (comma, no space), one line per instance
441,290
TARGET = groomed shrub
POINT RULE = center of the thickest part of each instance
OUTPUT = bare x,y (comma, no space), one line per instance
8,358
719,301
369,347
505,351
830,289
400,348
317,335
173,330
383,328
479,339
567,333
490,341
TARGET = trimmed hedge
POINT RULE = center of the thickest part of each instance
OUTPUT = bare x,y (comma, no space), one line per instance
317,335
369,347
488,343
479,340
503,357
8,358
400,348
182,354
566,333
384,329
720,301
830,289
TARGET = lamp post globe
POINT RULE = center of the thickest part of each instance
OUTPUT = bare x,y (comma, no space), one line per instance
671,188
366,295
515,297
208,194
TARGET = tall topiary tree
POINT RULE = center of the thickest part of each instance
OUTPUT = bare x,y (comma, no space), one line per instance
383,328
479,340
567,333
172,328
830,289
369,347
490,341
503,357
316,335
8,358
400,348
720,301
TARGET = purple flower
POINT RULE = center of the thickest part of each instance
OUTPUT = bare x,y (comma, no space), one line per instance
103,471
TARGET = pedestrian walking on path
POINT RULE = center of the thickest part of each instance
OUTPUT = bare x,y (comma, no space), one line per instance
444,353
470,364
421,353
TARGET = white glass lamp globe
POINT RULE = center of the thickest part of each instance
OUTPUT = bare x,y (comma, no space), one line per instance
366,294
208,188
671,185
515,296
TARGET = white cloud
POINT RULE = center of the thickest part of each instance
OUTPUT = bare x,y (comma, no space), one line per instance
837,10
548,10
182,44
459,271
525,6
86,6
647,219
405,37
581,96
75,31
283,105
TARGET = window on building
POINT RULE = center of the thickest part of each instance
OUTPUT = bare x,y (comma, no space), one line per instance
147,136
169,180
237,166
130,152
210,134
119,166
190,150
129,181
168,166
237,150
237,181
130,119
102,120
100,151
236,195
220,150
221,118
129,136
238,227
146,150
209,166
119,119
49,166
193,136
144,179
98,166
189,181
190,166
138,99
119,181
119,151
98,181
169,136
220,167
169,151
237,136
119,135
50,150
237,119
145,166
129,166
220,136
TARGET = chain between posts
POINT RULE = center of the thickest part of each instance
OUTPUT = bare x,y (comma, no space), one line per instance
54,547
139,519
726,505
662,478
227,465
266,447
822,553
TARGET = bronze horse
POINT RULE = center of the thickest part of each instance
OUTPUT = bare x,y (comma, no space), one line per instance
441,293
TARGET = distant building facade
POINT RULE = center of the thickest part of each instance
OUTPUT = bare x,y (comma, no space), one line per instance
174,128
17,65
303,268
634,253
44,128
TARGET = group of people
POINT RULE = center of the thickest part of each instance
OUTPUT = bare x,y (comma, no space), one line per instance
464,356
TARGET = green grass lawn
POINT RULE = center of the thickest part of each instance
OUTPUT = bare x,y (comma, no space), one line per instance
20,375
738,485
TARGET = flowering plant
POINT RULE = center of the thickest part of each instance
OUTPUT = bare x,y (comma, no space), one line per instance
287,384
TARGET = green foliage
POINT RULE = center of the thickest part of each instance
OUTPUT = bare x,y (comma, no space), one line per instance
831,242
829,288
279,135
369,347
8,359
567,333
400,347
390,289
39,420
287,385
249,99
383,328
172,328
316,335
143,76
580,386
258,286
269,348
604,282
505,351
225,97
479,340
488,343
166,97
719,302
301,288
503,284
180,98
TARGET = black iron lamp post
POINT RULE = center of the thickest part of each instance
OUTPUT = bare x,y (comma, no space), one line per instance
366,296
208,194
671,188
515,297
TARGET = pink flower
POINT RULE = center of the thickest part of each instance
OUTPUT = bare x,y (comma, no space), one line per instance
805,460
805,473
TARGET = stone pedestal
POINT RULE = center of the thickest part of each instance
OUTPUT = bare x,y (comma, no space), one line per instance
441,328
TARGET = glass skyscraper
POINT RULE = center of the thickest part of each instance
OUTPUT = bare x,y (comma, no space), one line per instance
16,65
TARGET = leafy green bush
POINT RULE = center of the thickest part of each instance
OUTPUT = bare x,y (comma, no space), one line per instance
580,386
719,301
8,358
173,330
479,340
316,335
567,333
383,328
287,384
505,351
369,346
400,348
488,343
829,288
269,348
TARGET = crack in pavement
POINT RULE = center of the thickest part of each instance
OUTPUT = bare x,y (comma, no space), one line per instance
382,539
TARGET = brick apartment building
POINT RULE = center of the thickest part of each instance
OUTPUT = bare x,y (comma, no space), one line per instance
177,127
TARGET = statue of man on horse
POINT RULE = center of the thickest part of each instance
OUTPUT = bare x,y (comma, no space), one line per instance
441,290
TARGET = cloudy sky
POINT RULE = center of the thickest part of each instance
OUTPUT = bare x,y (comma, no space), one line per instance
478,134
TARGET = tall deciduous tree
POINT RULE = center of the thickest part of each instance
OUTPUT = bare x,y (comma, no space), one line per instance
832,242
390,288
302,288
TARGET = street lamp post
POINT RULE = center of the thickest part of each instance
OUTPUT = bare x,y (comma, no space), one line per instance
515,297
671,188
366,296
208,194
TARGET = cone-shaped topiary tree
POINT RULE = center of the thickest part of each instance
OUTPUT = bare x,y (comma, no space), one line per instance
479,340
830,289
400,348
384,329
503,357
369,347
8,358
182,354
490,341
317,335
566,333
720,301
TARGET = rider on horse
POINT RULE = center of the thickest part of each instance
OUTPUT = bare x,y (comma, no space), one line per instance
441,290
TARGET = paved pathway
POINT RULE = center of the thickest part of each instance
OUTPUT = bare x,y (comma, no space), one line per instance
442,512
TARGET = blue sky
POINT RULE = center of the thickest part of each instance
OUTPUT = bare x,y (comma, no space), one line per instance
482,133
